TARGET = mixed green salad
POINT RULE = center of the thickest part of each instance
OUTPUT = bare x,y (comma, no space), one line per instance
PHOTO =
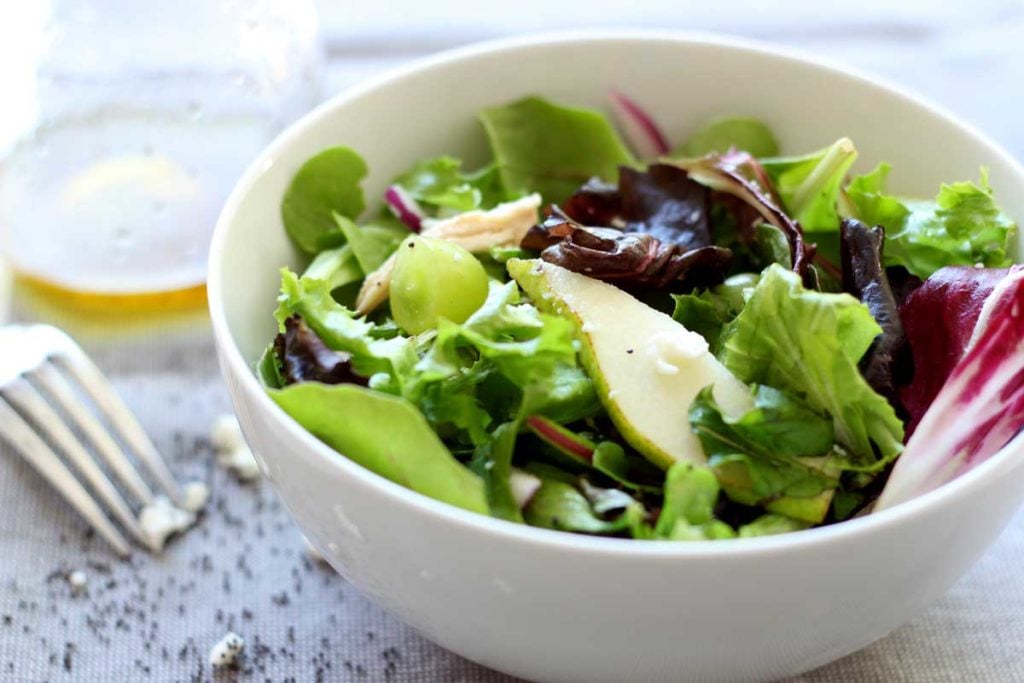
699,341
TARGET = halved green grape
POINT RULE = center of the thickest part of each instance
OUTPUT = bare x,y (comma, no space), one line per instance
435,279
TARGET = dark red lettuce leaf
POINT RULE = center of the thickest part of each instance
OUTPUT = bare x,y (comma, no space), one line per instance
596,203
902,282
552,230
666,204
739,175
750,168
661,201
939,318
305,357
626,259
864,277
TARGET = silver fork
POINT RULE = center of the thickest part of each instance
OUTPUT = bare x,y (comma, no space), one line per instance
40,368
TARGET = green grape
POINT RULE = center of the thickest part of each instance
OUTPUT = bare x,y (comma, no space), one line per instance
435,279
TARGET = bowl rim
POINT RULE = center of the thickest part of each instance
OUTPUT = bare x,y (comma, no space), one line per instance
233,363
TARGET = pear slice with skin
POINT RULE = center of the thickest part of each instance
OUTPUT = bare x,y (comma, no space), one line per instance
646,367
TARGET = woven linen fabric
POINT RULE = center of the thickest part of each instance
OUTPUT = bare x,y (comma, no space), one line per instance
244,568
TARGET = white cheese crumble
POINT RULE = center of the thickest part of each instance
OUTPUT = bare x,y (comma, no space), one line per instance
241,462
676,346
161,518
673,350
232,451
78,581
194,495
663,368
226,434
227,651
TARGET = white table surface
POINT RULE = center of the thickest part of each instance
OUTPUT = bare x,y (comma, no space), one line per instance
245,567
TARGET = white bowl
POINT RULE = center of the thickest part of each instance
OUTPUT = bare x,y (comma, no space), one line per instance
554,606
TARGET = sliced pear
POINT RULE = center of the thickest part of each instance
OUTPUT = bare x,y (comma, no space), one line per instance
647,368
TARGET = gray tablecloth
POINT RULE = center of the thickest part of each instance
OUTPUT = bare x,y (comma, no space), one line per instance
244,568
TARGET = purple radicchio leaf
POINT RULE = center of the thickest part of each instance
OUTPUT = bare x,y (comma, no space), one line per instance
979,409
404,207
940,319
305,357
643,133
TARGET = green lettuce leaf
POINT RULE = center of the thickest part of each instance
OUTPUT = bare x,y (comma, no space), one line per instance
704,313
387,360
628,470
689,510
809,185
371,244
809,344
547,148
492,462
707,311
558,504
268,369
770,525
452,406
579,453
565,395
865,198
846,503
747,134
544,470
771,246
336,267
440,184
534,356
326,184
802,489
386,435
963,226
778,426
503,255
523,344
506,361
776,455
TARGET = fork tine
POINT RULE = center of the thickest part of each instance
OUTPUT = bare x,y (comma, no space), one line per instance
89,377
27,443
25,398
48,377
